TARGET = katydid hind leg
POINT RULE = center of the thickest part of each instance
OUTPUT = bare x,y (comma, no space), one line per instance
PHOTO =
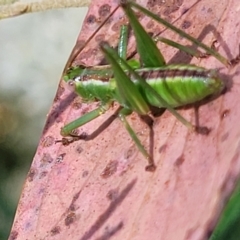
186,49
149,53
181,33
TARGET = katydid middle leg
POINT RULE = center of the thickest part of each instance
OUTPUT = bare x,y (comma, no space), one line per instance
122,116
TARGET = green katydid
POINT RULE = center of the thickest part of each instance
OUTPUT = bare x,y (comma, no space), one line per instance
137,87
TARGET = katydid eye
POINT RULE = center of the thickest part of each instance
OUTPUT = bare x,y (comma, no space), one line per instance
71,85
77,79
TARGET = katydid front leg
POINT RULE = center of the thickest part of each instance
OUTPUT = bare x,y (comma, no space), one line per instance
67,130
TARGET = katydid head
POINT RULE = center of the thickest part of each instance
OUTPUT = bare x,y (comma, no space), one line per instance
71,85
73,72
73,75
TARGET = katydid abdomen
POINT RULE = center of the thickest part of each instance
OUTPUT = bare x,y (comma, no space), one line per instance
178,85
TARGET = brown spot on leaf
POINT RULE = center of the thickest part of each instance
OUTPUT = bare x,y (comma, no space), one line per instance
162,148
58,119
112,194
167,183
179,161
48,141
209,10
203,130
89,53
46,159
169,10
91,19
31,174
172,6
72,207
186,24
13,235
178,2
76,196
155,3
79,149
55,230
110,169
150,25
100,37
116,26
129,153
85,173
71,217
104,10
43,174
77,103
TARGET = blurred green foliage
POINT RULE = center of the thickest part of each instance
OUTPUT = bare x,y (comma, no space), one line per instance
228,227
33,51
15,159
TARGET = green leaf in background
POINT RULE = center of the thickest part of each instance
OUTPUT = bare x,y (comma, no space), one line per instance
228,227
